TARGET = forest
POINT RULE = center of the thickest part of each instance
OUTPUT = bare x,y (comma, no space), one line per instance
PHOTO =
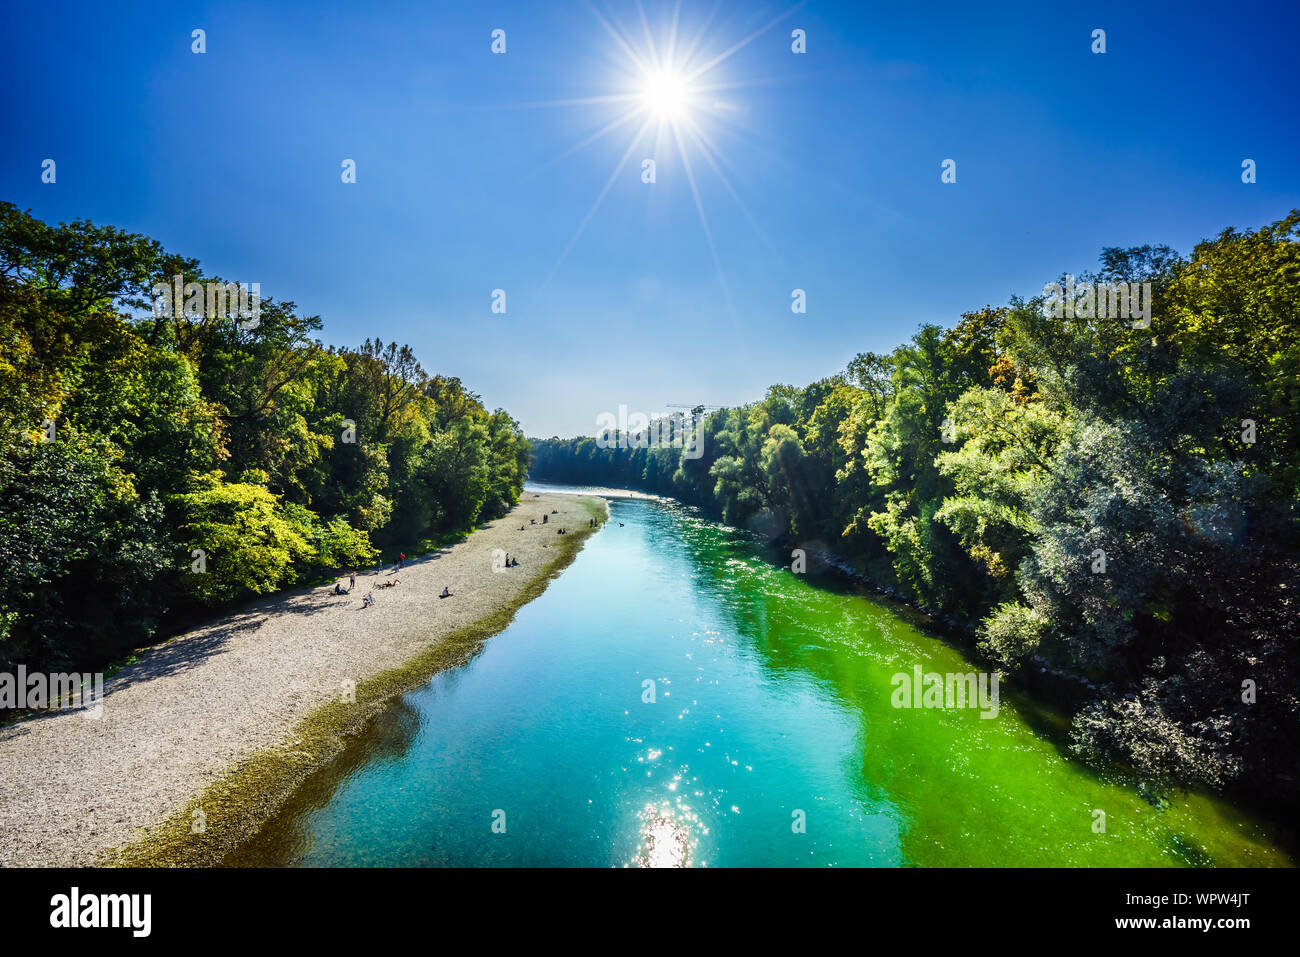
1110,498
161,464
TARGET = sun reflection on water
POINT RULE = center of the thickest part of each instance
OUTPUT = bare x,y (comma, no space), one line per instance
668,838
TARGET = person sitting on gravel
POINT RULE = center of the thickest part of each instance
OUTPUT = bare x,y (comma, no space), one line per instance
368,600
446,592
338,589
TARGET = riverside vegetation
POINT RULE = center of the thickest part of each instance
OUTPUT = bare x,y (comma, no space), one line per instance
156,467
1119,503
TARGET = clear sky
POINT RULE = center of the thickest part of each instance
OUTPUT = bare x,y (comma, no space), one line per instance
477,171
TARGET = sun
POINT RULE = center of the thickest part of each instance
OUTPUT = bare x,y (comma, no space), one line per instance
666,93
671,102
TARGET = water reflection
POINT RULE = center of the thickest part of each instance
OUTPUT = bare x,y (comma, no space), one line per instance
289,836
773,711
668,836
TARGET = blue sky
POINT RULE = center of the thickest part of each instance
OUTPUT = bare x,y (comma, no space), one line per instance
827,178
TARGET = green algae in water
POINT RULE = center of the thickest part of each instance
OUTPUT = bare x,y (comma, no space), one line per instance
772,707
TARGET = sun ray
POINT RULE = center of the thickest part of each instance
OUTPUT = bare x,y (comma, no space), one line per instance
701,140
672,33
741,84
577,101
600,133
618,38
704,222
649,38
704,27
594,206
700,71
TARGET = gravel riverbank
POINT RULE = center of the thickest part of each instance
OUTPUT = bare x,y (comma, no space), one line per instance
73,788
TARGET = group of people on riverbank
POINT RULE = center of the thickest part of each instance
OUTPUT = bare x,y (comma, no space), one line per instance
369,598
510,562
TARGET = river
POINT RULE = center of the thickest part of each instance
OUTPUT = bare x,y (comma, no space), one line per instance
676,697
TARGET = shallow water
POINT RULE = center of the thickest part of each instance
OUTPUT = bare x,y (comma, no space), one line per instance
772,708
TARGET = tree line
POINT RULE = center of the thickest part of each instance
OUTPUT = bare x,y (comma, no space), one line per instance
158,462
1113,498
